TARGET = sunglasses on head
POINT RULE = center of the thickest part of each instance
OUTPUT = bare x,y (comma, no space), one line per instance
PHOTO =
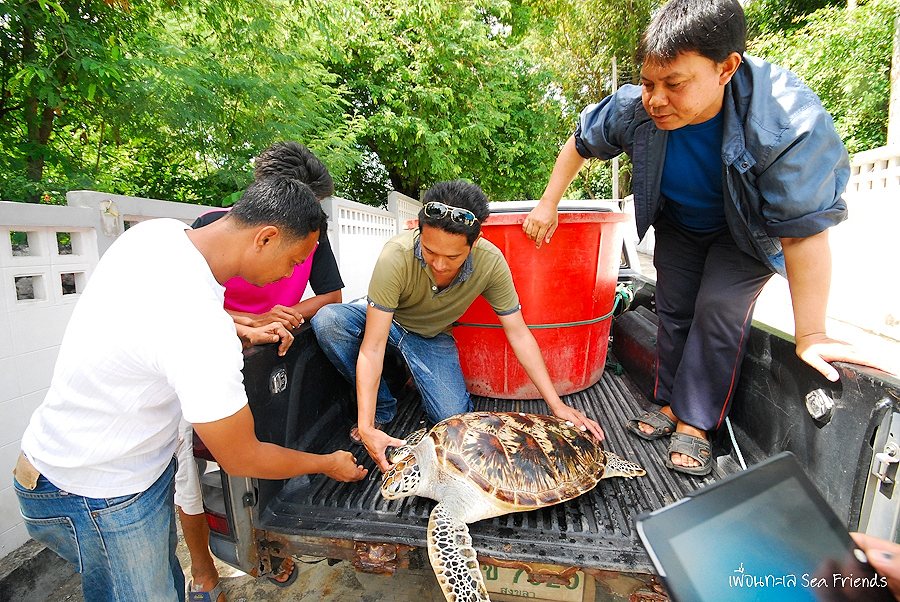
437,210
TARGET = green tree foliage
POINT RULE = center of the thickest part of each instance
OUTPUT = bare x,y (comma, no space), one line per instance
783,16
172,98
221,81
163,99
845,57
579,40
62,62
444,90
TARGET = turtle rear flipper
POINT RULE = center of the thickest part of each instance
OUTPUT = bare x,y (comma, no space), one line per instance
617,466
453,558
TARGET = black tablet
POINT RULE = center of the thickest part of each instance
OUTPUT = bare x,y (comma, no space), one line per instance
765,534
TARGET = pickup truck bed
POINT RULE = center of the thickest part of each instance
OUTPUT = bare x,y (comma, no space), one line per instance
300,401
594,530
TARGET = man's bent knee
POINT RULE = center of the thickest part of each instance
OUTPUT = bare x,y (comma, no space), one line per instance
338,322
325,319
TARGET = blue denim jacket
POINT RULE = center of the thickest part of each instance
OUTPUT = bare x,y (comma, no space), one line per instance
784,167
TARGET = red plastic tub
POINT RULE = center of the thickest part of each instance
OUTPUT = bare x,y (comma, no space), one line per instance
566,289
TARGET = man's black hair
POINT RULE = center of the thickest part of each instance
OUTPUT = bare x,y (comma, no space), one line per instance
285,203
711,28
457,193
293,160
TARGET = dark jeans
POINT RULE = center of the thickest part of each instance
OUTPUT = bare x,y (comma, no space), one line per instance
706,290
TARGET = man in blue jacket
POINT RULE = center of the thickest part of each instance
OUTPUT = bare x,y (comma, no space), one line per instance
739,169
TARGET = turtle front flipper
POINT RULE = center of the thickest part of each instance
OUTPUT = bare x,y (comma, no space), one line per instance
411,441
453,558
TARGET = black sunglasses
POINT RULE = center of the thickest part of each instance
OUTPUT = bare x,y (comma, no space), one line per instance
437,210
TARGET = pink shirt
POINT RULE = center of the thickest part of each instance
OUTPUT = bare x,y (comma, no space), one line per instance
240,295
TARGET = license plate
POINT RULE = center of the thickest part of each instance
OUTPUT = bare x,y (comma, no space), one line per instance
513,584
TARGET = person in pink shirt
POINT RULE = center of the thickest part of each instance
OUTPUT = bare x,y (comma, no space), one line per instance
281,301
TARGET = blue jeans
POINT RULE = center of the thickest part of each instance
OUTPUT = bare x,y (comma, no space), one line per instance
433,362
124,547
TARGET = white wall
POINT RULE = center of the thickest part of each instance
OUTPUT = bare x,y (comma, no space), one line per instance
31,329
357,233
405,208
875,170
864,302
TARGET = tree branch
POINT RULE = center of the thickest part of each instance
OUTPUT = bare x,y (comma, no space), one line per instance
5,110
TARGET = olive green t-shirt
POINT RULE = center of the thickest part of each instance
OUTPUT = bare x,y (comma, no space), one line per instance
403,284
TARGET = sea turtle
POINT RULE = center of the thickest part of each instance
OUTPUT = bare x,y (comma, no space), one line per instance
485,464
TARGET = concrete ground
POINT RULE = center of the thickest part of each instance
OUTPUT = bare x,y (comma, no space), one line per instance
34,574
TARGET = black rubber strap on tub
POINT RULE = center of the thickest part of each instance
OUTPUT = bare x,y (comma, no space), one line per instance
559,325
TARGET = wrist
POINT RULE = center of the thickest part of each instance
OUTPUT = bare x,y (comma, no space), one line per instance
550,201
366,429
329,463
555,404
808,335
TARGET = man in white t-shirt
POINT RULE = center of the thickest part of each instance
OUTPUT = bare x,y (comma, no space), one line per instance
148,341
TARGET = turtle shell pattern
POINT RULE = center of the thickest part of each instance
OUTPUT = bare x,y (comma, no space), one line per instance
527,461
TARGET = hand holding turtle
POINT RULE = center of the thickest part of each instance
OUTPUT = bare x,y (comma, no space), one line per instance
580,421
376,442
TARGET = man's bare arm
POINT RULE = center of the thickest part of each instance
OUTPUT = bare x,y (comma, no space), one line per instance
233,443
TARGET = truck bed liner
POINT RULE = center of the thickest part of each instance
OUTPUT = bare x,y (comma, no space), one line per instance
595,530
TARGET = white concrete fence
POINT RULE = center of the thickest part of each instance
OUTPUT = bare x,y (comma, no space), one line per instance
48,253
877,169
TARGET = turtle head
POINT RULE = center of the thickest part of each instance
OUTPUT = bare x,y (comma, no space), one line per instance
403,479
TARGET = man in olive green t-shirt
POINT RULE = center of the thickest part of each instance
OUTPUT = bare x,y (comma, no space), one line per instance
423,281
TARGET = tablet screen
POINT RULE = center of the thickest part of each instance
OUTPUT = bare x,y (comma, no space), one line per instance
764,535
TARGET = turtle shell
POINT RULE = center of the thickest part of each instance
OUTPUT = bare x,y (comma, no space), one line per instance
525,460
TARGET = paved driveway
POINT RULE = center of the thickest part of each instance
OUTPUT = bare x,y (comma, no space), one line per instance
317,581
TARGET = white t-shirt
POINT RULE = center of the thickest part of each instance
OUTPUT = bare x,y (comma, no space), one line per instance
148,341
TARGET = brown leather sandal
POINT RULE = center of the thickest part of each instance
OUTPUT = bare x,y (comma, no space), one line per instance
662,425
